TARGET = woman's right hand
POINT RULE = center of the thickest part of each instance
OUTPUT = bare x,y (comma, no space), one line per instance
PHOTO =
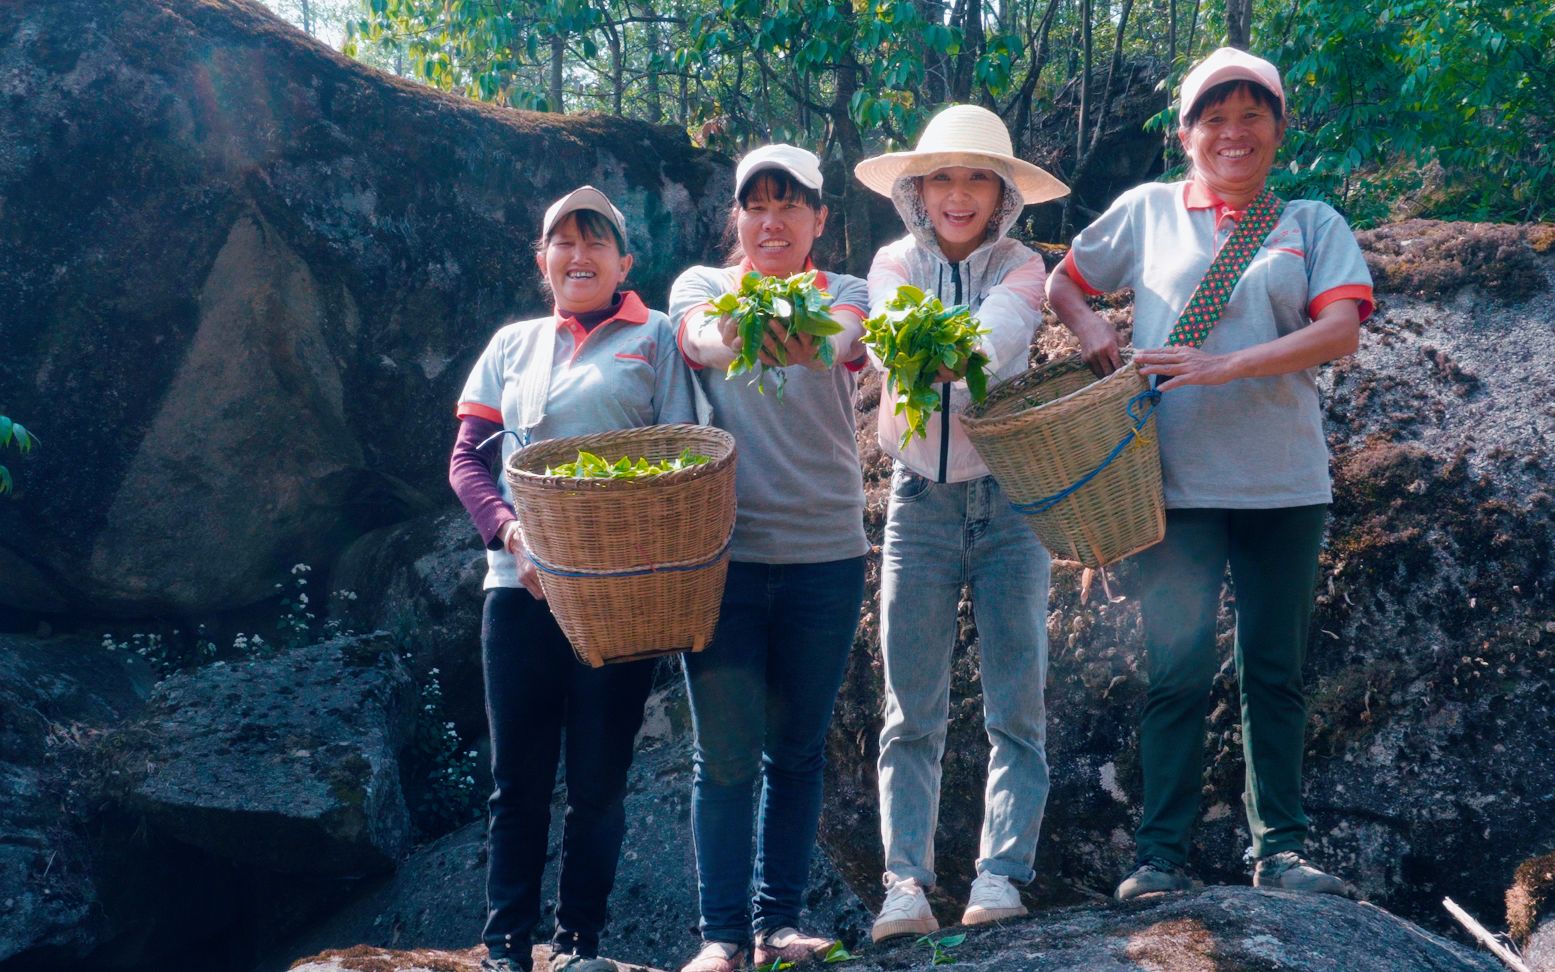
528,573
1098,343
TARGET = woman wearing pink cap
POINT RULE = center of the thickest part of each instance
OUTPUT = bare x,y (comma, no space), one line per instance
600,360
1242,449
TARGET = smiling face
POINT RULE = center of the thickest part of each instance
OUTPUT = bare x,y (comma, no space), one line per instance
960,202
777,228
583,263
1232,145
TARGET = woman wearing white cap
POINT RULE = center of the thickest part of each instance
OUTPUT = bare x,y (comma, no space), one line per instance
1242,449
762,692
600,360
948,525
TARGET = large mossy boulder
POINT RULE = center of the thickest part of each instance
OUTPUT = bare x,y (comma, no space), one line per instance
242,279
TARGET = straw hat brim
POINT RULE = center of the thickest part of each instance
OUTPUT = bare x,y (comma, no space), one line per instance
1034,184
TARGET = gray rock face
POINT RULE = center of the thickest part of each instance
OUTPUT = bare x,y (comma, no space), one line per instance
1430,769
55,697
244,279
285,764
437,898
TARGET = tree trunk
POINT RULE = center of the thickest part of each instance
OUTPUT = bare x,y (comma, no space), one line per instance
655,49
858,242
554,98
1239,23
1084,163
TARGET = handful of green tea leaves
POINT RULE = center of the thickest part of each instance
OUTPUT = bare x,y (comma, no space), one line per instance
794,301
590,466
915,337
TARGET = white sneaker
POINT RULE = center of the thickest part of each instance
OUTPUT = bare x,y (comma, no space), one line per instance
906,911
993,898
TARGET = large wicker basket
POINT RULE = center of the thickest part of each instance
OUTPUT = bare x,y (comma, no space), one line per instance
632,568
1047,434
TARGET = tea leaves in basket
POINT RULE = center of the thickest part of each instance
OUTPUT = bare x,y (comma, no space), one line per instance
590,466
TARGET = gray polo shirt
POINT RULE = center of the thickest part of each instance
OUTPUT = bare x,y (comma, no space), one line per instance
625,373
1253,443
797,482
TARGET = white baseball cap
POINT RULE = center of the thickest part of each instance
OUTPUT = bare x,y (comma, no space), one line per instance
584,198
802,165
1229,64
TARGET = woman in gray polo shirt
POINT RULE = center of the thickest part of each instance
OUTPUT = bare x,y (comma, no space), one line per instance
762,692
600,360
1242,449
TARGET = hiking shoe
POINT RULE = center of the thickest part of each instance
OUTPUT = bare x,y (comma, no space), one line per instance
1289,870
993,898
504,964
906,911
1155,876
573,962
791,945
716,957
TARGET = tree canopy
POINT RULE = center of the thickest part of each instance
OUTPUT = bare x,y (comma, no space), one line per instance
1418,107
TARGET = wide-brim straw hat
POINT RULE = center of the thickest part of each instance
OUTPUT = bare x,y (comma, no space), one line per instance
962,135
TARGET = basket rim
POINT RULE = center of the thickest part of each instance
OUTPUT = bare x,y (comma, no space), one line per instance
511,467
973,416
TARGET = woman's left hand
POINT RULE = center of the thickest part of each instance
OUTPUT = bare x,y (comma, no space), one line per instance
781,349
1182,365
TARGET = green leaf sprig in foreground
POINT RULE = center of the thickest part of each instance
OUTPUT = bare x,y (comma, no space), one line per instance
590,466
914,338
795,301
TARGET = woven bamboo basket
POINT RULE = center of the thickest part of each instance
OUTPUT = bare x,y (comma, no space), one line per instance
1045,430
632,568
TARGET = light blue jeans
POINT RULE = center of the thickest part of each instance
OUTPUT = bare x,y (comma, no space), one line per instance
939,536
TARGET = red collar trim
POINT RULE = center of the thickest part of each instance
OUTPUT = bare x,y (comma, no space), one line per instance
746,266
632,311
1196,195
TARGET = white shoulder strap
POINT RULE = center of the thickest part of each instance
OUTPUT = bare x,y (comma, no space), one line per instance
535,385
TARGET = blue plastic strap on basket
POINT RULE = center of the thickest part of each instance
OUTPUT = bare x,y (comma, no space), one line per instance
1046,503
556,571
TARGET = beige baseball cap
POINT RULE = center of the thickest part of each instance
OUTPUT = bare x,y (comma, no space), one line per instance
802,165
1229,64
584,198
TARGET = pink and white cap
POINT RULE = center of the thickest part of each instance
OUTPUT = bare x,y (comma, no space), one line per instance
1229,64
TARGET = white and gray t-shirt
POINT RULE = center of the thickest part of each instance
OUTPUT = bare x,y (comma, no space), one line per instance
1253,443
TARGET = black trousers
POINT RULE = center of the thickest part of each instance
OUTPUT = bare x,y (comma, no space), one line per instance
537,695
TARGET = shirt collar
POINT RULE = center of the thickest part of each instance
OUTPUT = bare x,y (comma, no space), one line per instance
1196,195
746,266
631,311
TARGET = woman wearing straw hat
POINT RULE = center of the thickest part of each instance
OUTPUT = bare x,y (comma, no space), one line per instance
762,693
948,525
1242,449
600,360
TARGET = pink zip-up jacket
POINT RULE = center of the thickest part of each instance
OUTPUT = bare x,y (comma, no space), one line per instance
1001,281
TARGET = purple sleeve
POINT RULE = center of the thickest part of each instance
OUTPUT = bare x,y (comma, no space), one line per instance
469,473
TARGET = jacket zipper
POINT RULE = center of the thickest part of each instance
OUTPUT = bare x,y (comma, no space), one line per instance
944,392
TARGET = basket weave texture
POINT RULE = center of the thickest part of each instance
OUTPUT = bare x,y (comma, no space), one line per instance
1045,429
632,568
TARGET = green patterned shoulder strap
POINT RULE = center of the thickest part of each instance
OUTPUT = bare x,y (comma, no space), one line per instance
1209,298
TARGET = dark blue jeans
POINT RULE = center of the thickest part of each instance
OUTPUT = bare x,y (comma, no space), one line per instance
761,703
536,688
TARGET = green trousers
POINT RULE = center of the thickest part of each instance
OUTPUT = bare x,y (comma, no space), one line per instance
1272,554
